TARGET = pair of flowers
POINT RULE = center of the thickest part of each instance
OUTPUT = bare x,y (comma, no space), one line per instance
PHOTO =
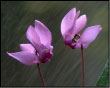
40,49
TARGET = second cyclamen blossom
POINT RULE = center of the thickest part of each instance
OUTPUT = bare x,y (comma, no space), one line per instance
72,24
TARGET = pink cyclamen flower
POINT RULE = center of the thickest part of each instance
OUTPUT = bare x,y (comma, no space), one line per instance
72,24
40,51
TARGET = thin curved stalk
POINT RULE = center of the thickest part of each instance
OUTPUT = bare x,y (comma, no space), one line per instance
41,76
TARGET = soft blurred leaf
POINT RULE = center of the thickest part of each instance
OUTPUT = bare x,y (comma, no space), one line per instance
103,79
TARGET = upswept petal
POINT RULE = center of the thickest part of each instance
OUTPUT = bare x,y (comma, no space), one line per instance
25,57
90,34
28,48
72,31
44,33
68,22
80,24
33,37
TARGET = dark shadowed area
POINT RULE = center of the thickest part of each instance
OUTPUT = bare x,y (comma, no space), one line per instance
64,68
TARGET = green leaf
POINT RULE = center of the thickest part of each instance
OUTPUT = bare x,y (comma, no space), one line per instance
103,79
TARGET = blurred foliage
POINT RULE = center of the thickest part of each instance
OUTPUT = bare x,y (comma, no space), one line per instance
103,80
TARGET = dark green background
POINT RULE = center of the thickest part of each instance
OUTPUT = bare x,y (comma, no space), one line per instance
64,69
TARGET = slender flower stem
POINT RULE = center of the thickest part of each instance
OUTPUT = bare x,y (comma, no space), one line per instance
83,72
41,76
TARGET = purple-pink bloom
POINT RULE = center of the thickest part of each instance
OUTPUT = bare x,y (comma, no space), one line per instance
40,51
72,24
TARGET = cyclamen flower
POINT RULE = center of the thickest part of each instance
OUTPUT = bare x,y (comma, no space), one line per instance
72,24
40,51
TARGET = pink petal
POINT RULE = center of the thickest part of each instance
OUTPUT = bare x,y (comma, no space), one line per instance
68,22
44,33
78,45
80,24
25,57
51,49
73,31
33,37
90,34
28,48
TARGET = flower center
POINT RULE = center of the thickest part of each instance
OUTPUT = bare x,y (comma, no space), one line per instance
76,37
46,50
44,55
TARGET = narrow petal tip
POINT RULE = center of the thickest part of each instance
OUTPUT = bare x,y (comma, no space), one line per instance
9,53
37,21
99,27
